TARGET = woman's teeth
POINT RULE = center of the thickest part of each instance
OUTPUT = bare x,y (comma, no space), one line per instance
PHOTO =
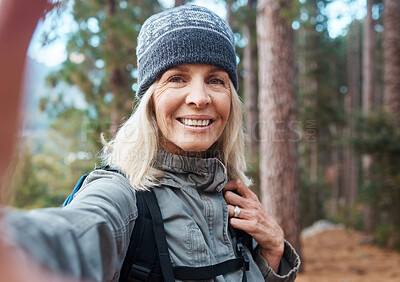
195,122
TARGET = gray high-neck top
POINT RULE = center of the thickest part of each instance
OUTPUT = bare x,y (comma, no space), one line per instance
195,216
90,236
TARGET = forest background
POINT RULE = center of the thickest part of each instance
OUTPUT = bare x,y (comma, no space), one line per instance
322,111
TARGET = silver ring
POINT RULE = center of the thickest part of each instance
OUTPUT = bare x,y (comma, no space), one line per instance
236,211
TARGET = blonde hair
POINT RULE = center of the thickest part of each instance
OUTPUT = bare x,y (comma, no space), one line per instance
134,148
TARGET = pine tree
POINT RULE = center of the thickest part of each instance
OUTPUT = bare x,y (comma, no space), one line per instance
277,104
352,106
391,57
250,80
102,61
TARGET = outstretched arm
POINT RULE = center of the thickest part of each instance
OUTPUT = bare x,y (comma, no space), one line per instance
18,20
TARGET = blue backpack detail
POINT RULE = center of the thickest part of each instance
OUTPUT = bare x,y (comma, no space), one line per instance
79,184
76,189
140,264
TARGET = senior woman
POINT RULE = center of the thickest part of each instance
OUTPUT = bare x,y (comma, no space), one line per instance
185,143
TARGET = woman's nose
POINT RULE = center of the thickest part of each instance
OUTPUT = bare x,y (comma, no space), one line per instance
198,95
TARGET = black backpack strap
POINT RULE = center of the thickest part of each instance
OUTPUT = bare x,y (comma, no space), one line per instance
141,260
207,272
147,258
239,238
159,233
188,273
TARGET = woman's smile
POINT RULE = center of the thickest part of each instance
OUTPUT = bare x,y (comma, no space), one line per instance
192,105
198,123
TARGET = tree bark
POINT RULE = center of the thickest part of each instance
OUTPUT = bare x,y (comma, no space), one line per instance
229,12
391,56
368,103
350,161
277,104
308,84
179,3
368,84
250,85
335,153
117,82
335,177
368,99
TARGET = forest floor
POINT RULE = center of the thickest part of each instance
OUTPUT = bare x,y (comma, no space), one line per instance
341,255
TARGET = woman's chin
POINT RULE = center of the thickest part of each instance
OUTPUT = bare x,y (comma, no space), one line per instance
187,149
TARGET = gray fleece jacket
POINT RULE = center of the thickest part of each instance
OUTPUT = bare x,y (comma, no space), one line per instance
89,237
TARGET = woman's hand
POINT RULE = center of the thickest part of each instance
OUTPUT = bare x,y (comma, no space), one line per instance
254,220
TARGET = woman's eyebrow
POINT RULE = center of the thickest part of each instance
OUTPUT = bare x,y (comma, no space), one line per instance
215,69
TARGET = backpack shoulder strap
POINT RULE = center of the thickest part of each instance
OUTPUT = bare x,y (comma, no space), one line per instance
141,260
159,234
148,259
79,184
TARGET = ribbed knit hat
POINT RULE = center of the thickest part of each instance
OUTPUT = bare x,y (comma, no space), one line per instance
182,35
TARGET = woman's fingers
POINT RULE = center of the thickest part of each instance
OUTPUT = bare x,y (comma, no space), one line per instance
240,188
240,212
242,224
252,218
234,199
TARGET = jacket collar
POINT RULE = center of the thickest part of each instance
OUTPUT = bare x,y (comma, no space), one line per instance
205,174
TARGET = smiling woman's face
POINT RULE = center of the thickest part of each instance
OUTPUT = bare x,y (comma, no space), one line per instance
192,104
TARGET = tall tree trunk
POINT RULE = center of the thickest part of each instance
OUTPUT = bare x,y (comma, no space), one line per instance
278,149
117,82
179,3
250,84
368,85
391,56
368,95
335,176
229,12
336,150
308,42
350,162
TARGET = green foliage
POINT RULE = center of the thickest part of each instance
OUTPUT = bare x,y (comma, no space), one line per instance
23,186
44,179
320,61
101,62
313,197
350,216
288,10
29,184
379,137
388,235
242,16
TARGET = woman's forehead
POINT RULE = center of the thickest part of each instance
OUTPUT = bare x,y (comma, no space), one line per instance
196,67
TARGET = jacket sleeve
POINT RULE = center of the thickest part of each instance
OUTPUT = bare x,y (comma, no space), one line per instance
86,239
288,267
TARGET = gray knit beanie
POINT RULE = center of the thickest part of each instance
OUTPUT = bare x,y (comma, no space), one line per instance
182,35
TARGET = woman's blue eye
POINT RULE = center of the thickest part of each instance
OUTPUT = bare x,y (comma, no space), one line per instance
216,81
175,79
